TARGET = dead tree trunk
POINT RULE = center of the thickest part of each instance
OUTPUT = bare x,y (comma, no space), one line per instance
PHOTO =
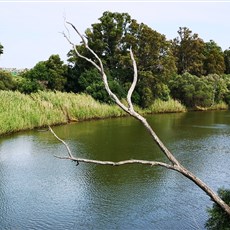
174,163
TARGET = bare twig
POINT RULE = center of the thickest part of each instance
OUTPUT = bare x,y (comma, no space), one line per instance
63,142
118,163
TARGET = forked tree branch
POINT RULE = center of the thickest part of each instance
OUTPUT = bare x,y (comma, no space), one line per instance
175,165
132,87
63,142
112,163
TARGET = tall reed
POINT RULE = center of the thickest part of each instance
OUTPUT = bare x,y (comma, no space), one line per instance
19,111
170,106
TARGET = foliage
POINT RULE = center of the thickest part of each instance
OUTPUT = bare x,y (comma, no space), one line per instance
226,78
186,68
219,219
169,106
27,86
214,59
227,61
111,39
1,49
220,87
50,74
205,91
7,82
192,90
158,62
56,73
90,82
188,49
219,106
19,111
72,75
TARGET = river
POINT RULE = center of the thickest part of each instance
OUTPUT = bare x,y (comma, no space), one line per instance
39,191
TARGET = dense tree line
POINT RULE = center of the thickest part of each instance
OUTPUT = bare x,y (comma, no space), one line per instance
186,68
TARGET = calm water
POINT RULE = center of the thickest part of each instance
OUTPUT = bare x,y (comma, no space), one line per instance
39,191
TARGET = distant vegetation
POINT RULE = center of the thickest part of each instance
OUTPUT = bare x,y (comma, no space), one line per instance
173,76
184,71
186,68
20,112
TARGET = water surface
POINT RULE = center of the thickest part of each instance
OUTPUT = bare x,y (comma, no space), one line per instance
39,191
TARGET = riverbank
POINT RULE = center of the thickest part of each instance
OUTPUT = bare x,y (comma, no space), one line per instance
22,112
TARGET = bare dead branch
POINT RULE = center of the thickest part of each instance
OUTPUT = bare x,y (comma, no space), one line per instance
66,27
100,67
132,87
175,163
76,30
63,142
112,163
129,110
118,163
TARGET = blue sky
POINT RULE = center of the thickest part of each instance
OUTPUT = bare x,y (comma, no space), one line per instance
30,31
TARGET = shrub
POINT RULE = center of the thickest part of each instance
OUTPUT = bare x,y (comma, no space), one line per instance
219,220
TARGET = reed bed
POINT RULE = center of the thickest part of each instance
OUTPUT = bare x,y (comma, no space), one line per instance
21,112
219,106
170,106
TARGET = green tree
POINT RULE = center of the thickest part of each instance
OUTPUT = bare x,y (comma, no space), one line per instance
27,86
188,49
56,73
220,87
7,82
226,78
219,220
1,49
90,83
112,37
192,90
155,62
50,74
106,37
72,77
214,59
227,61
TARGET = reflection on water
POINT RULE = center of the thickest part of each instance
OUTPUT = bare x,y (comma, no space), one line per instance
39,191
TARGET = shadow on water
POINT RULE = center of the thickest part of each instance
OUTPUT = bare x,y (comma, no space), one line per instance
38,191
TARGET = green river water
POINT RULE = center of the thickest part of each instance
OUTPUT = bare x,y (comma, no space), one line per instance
39,191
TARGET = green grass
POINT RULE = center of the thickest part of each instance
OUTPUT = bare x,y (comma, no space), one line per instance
219,106
21,112
170,106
